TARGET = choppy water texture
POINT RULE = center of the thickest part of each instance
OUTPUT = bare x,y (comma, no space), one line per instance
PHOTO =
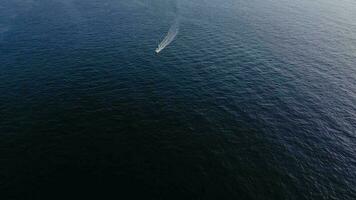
253,100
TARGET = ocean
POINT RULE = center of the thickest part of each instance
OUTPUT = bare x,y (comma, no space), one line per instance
245,99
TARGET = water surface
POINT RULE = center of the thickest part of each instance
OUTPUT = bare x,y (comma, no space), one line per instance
252,100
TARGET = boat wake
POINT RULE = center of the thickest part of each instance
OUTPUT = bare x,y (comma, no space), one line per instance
172,32
171,35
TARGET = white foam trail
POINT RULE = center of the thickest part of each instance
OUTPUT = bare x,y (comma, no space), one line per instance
171,35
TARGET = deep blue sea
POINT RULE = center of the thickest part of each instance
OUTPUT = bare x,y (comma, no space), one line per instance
254,99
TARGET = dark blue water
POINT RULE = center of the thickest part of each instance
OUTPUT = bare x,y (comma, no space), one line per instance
253,99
